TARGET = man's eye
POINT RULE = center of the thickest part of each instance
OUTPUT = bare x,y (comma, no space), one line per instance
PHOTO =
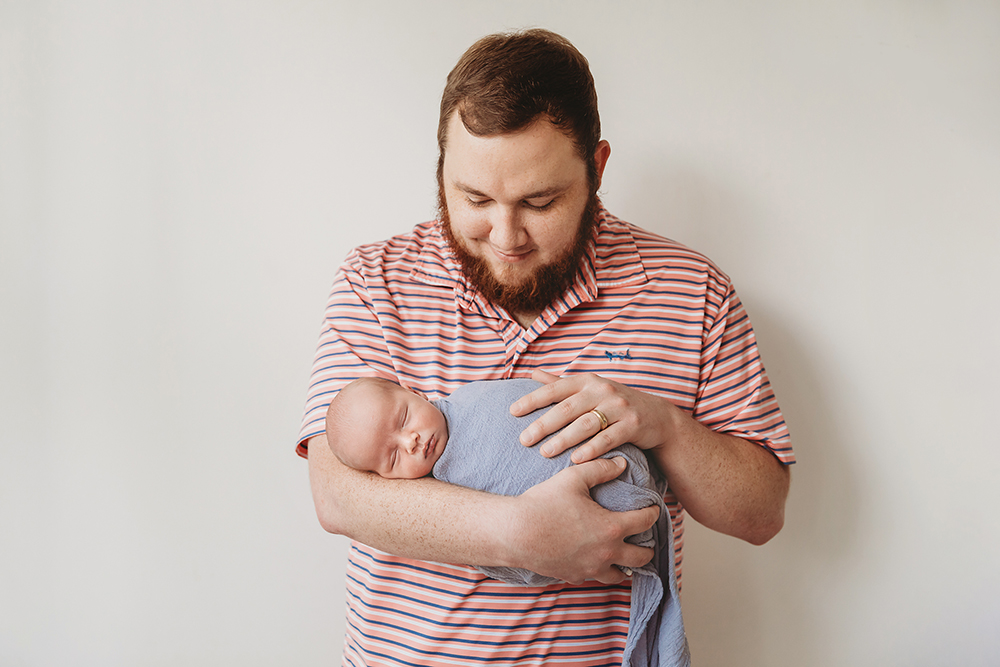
539,207
478,203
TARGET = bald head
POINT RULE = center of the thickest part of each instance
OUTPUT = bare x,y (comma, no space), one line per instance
375,425
352,418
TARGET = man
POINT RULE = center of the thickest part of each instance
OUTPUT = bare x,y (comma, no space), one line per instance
636,338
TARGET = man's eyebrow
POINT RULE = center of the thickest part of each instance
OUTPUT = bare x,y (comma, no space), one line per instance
469,190
538,194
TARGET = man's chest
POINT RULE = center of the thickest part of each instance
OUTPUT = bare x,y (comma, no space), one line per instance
652,346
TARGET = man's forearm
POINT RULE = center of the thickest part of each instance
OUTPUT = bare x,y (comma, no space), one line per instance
423,518
555,528
725,483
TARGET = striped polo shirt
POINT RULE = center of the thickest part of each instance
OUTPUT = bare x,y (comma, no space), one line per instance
644,311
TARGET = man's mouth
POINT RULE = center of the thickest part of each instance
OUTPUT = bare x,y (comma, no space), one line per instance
511,257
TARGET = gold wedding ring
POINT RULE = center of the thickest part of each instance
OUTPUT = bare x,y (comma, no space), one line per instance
600,415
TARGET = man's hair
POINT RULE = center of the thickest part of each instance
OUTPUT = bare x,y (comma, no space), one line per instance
506,81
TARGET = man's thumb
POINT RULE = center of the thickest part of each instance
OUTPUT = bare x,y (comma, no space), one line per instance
599,471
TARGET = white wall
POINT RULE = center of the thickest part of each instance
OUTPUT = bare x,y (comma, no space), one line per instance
178,182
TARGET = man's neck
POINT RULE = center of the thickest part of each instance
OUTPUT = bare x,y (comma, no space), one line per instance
525,319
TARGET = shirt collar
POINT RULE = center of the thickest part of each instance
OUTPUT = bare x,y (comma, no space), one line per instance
611,260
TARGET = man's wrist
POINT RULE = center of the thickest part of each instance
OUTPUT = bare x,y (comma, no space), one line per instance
510,548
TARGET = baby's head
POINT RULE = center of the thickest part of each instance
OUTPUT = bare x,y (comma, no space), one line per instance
374,424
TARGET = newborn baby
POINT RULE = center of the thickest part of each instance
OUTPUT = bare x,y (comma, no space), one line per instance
471,439
376,425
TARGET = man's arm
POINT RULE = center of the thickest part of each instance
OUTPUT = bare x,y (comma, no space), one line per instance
554,529
725,483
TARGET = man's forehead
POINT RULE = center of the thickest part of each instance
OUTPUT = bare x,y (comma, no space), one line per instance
536,160
455,128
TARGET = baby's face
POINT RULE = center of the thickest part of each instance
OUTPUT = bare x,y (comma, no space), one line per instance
405,436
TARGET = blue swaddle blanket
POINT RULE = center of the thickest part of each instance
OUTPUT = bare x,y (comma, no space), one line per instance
483,453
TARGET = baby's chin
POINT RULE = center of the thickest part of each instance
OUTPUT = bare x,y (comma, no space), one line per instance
430,465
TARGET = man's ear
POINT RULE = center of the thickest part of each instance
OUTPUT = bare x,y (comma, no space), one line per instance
601,156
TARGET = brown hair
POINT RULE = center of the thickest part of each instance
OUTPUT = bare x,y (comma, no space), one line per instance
506,81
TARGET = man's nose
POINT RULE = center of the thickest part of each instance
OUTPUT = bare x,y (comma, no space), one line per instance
507,232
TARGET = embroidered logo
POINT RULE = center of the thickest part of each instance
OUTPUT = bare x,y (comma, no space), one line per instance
620,353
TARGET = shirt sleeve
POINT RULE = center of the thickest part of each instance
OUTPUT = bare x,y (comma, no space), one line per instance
350,346
734,394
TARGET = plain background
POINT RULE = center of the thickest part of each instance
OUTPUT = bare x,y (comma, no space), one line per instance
180,180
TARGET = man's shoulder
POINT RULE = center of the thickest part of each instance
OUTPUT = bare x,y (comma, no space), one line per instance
420,255
399,248
660,256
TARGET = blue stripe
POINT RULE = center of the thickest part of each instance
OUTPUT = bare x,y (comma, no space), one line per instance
647,330
548,623
437,573
528,656
402,333
471,595
750,381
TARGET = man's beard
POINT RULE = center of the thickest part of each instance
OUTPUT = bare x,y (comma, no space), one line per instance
543,286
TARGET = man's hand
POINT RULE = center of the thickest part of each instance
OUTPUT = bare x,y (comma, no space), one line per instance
728,484
633,416
561,532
